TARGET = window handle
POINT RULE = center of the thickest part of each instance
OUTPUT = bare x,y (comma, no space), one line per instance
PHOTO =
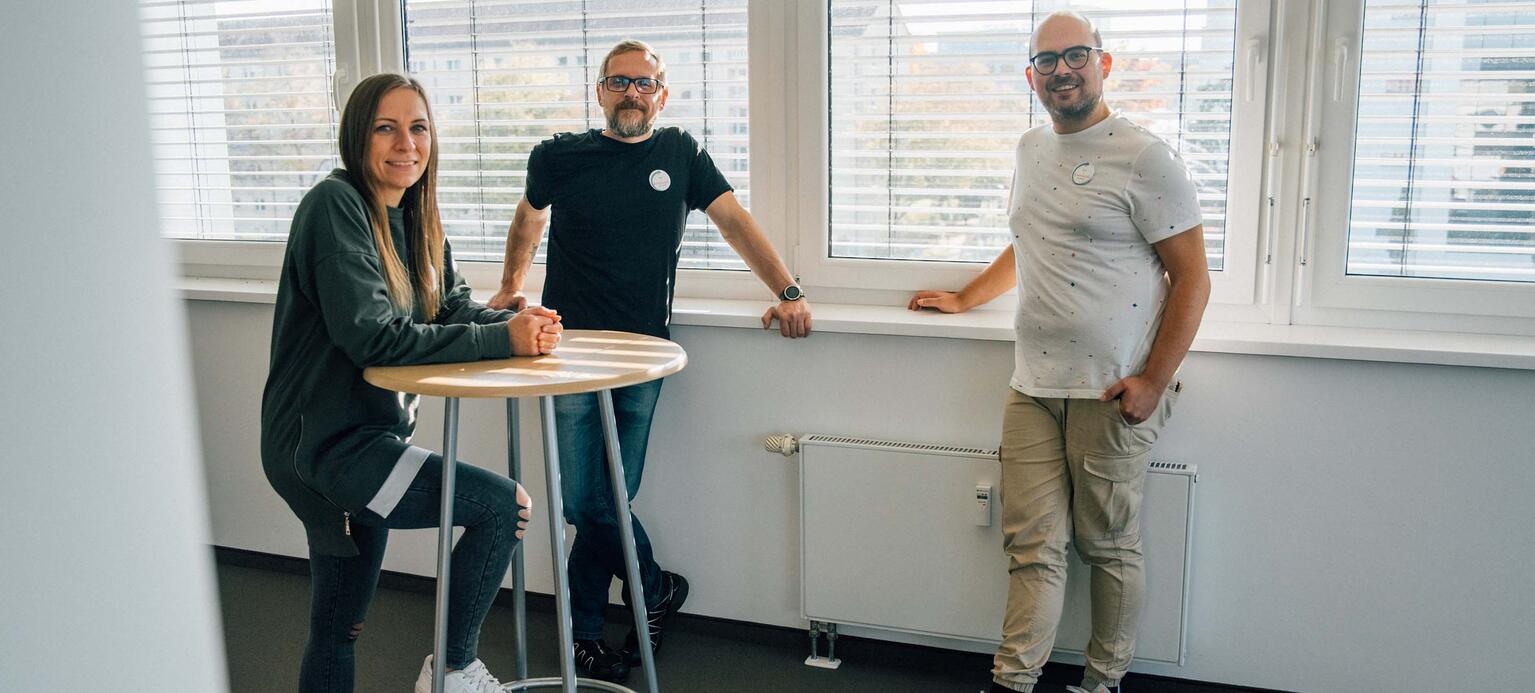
1339,61
1254,57
341,85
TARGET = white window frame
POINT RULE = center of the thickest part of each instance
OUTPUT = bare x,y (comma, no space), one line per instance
771,126
369,39
1324,293
1291,142
1236,287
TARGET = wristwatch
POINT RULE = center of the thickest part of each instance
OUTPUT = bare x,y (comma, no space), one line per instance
791,292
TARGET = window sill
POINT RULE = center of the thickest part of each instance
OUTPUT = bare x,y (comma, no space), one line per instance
1347,343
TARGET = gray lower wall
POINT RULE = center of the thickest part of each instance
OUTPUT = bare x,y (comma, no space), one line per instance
1358,523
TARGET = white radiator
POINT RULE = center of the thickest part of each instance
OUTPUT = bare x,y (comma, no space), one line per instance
893,537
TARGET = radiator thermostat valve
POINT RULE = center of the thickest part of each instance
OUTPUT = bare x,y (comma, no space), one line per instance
781,443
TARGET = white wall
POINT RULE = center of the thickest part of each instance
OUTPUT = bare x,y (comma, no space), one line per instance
1357,522
106,582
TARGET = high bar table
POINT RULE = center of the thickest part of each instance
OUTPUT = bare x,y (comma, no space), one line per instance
585,361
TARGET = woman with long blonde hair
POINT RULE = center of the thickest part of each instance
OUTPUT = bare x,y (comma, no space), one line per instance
367,280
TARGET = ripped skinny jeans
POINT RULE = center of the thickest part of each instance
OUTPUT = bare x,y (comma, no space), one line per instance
485,505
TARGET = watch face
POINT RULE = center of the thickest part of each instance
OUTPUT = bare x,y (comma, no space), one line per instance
791,293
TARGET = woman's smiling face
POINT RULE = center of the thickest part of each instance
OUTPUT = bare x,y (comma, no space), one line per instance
400,144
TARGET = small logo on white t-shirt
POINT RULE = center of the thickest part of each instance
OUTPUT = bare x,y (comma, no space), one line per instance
1082,174
660,180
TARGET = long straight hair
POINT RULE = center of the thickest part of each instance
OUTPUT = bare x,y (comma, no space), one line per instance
423,224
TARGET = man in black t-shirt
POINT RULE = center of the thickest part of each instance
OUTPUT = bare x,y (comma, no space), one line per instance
620,198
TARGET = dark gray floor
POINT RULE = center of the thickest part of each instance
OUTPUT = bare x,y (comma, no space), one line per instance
265,622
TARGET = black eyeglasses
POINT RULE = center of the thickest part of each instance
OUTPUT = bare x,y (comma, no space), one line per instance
1076,57
644,85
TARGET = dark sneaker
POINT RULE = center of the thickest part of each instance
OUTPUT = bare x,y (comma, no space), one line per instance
595,659
675,587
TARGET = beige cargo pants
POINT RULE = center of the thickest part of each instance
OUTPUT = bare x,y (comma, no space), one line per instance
1072,472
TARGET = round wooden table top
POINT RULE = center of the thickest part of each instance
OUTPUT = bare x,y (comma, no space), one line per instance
585,361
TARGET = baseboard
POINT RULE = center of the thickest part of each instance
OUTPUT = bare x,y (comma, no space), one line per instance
868,650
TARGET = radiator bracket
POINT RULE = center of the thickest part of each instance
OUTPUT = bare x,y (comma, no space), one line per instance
815,659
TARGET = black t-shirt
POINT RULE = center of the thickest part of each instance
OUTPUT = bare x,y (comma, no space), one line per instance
616,230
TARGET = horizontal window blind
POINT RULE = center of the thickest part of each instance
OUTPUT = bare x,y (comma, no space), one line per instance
504,76
1444,159
241,114
928,99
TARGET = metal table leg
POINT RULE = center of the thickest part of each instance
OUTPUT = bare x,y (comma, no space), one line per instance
567,680
519,578
445,541
557,545
626,533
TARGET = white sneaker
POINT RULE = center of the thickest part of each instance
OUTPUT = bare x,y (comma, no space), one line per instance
474,678
1100,688
424,679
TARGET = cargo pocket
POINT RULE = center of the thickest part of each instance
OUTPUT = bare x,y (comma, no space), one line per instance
1108,498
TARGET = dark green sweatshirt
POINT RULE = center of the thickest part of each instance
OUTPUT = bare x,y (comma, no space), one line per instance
329,439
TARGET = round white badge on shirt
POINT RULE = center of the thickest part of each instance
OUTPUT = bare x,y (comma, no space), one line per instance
1082,174
660,180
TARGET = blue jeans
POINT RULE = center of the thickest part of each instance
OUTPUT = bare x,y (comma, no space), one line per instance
597,555
485,505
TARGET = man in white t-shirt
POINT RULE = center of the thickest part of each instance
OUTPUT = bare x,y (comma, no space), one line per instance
1109,260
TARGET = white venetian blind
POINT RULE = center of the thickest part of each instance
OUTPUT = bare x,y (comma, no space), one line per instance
1444,163
241,115
929,97
506,75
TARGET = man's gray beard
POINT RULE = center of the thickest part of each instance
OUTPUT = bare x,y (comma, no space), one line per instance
1077,113
616,125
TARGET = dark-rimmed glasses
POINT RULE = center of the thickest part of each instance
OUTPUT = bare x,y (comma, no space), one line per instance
644,85
1076,57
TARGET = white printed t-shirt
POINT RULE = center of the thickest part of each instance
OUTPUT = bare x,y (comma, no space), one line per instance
1085,210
